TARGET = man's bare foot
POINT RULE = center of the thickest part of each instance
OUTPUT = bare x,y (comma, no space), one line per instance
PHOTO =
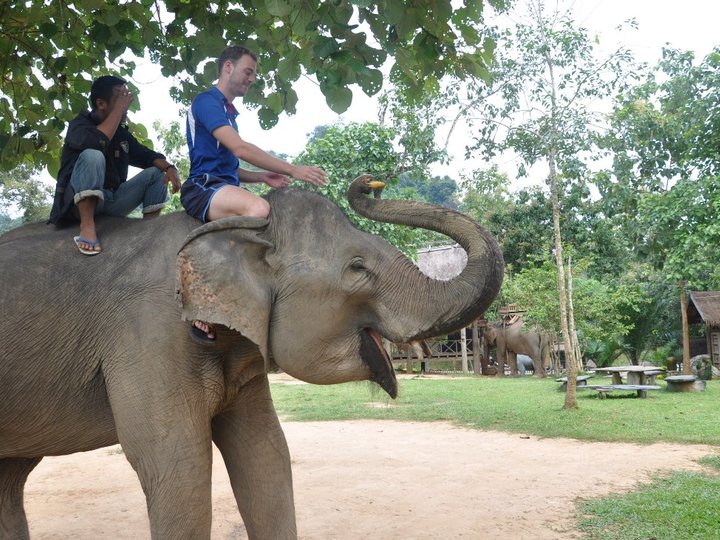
86,246
202,332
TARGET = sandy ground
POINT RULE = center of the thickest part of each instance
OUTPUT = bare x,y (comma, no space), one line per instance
374,479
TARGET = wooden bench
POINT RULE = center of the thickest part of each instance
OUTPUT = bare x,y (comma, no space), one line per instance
581,381
684,383
604,389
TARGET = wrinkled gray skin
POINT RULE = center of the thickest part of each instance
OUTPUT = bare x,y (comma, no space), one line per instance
95,350
513,340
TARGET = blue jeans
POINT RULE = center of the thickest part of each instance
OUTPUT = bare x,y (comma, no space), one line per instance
146,188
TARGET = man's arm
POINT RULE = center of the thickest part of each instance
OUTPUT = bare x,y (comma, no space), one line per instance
115,116
250,153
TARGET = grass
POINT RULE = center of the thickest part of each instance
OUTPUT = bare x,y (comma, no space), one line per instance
519,405
676,506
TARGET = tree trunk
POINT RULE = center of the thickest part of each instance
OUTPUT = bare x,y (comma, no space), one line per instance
571,365
463,349
686,334
477,368
577,353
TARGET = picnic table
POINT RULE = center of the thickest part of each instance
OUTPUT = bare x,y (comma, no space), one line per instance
581,380
635,374
640,379
604,389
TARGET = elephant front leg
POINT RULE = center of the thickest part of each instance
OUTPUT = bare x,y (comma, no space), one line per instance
172,456
256,455
512,363
13,475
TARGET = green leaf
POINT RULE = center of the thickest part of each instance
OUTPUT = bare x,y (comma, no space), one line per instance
370,80
324,46
278,8
267,118
338,98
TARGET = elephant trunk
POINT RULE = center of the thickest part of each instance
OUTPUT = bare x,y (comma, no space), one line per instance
435,307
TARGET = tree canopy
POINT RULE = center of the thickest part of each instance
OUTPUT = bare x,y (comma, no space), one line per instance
51,51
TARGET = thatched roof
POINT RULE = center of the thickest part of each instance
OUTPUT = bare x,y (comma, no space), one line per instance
442,262
704,306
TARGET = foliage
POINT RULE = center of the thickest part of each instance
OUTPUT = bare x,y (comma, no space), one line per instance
661,190
174,145
22,191
51,51
682,232
600,311
680,505
416,119
546,77
346,152
437,190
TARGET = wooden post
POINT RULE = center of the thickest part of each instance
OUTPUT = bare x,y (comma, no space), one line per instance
463,349
476,349
686,333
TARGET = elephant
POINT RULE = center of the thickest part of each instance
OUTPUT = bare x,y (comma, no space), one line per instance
96,351
511,340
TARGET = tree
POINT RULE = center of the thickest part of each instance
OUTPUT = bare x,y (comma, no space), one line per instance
545,76
436,190
346,152
51,51
662,189
21,191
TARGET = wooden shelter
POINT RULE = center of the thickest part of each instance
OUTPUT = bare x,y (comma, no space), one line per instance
443,263
703,307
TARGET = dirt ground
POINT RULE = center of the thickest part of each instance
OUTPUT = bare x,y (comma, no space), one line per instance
374,479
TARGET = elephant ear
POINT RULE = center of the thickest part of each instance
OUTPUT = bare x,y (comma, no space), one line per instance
222,277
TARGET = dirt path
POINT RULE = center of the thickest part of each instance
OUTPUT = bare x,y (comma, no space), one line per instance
374,479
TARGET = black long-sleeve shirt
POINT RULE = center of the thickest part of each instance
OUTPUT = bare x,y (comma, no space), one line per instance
120,152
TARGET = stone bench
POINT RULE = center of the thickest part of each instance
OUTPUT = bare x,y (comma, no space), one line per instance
581,381
604,389
684,383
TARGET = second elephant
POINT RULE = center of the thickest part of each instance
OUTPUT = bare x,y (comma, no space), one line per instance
513,339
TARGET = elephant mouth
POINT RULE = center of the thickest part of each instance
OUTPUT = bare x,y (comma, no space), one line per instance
374,355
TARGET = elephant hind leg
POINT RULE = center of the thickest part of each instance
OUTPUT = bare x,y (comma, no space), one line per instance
13,474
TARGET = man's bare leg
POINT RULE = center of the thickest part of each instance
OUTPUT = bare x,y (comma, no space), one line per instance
86,209
236,201
232,201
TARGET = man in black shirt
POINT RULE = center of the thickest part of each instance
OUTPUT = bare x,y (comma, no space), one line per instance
94,166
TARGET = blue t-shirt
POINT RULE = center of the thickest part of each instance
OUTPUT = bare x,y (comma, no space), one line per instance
209,111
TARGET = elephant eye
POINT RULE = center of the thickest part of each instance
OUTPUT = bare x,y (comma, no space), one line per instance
358,264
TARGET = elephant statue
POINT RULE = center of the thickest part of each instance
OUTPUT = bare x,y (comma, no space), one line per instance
96,351
511,340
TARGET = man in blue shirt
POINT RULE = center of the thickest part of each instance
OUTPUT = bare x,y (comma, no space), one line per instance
213,190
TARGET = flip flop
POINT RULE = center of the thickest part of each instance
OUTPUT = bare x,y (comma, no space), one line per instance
199,336
85,251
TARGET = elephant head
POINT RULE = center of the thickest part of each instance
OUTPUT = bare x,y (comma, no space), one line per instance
317,295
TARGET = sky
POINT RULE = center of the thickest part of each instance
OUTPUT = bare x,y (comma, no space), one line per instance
687,25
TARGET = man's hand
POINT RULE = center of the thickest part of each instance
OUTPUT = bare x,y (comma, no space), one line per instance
310,174
173,178
125,98
275,180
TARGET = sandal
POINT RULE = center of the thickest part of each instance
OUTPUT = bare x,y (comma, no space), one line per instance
203,338
95,246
